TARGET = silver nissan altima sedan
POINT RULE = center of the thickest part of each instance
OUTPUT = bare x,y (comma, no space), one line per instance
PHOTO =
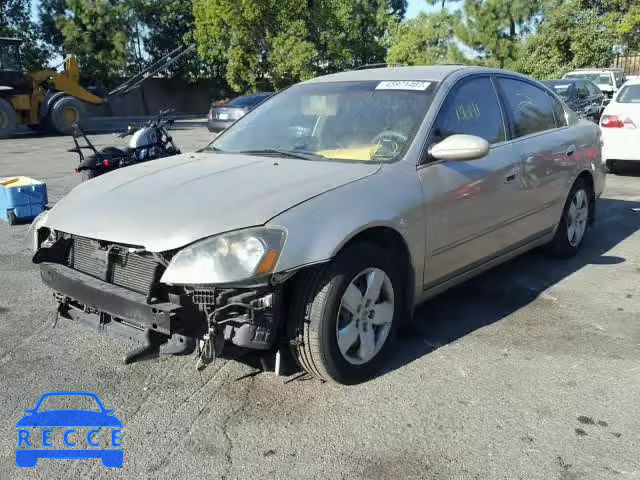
318,221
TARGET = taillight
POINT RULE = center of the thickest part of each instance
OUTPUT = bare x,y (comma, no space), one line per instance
614,121
107,164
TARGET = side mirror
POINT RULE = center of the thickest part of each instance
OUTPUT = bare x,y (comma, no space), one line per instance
460,148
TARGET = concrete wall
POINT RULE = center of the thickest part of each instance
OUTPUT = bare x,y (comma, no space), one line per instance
162,93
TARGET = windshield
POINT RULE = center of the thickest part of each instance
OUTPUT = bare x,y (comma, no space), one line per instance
629,94
597,78
563,90
353,121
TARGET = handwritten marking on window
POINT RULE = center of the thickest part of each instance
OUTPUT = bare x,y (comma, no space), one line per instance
525,102
468,111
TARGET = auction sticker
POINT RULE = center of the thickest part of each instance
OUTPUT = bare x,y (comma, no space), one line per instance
403,85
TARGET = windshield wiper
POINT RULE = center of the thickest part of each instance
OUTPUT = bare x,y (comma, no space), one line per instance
285,153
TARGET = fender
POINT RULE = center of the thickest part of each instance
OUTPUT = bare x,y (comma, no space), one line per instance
320,227
47,105
94,162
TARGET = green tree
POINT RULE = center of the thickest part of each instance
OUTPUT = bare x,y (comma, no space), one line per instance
49,11
160,26
15,21
494,28
276,42
96,31
442,3
425,40
570,36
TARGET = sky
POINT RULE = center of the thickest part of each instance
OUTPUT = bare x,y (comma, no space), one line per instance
414,7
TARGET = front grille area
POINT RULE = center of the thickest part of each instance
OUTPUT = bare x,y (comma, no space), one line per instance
114,264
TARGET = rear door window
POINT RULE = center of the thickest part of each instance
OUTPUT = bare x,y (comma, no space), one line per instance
581,91
593,89
471,108
529,107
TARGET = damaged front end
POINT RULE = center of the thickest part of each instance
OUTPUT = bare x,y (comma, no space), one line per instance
117,289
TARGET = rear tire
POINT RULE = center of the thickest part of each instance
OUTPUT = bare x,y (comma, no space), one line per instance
329,341
11,218
65,113
576,215
8,119
88,175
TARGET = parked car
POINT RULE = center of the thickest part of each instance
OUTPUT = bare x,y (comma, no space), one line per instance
608,80
223,115
621,127
582,96
318,221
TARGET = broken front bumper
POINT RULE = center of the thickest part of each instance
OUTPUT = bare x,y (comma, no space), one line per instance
176,325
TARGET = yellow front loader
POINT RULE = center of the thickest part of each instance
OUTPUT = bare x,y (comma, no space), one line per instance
47,100
43,100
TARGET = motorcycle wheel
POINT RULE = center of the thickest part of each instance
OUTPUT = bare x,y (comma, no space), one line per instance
88,175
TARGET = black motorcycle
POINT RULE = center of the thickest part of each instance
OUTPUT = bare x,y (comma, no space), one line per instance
148,142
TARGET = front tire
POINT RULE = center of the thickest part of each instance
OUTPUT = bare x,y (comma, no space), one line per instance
8,119
344,315
65,113
576,215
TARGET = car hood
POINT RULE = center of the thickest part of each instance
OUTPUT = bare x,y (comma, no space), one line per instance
168,203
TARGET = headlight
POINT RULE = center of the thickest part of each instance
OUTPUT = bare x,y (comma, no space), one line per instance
227,258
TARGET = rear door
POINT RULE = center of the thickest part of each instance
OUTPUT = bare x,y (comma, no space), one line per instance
621,125
545,146
470,205
596,98
582,99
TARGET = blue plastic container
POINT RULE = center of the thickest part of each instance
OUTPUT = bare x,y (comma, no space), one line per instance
21,199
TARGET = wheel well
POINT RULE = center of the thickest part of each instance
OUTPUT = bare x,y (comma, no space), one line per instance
591,191
390,239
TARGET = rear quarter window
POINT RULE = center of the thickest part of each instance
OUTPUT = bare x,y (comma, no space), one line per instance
629,94
529,107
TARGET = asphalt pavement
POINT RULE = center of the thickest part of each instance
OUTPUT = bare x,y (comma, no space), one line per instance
530,371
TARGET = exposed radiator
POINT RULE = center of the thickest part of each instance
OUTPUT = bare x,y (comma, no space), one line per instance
114,264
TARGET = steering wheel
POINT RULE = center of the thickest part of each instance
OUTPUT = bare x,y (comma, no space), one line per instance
390,141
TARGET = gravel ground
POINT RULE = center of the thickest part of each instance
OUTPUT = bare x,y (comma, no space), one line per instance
530,371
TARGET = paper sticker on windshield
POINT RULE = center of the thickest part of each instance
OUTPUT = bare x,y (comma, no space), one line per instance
403,85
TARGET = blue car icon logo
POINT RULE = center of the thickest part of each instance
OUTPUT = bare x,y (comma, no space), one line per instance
33,446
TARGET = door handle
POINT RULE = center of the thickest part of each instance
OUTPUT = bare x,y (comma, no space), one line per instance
570,150
510,178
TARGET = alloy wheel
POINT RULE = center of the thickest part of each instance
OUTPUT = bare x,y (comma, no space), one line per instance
365,316
577,217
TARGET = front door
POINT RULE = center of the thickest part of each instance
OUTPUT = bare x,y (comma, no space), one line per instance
470,205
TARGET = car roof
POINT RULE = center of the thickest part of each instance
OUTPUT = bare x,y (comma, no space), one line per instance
632,81
563,81
256,94
591,70
434,73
